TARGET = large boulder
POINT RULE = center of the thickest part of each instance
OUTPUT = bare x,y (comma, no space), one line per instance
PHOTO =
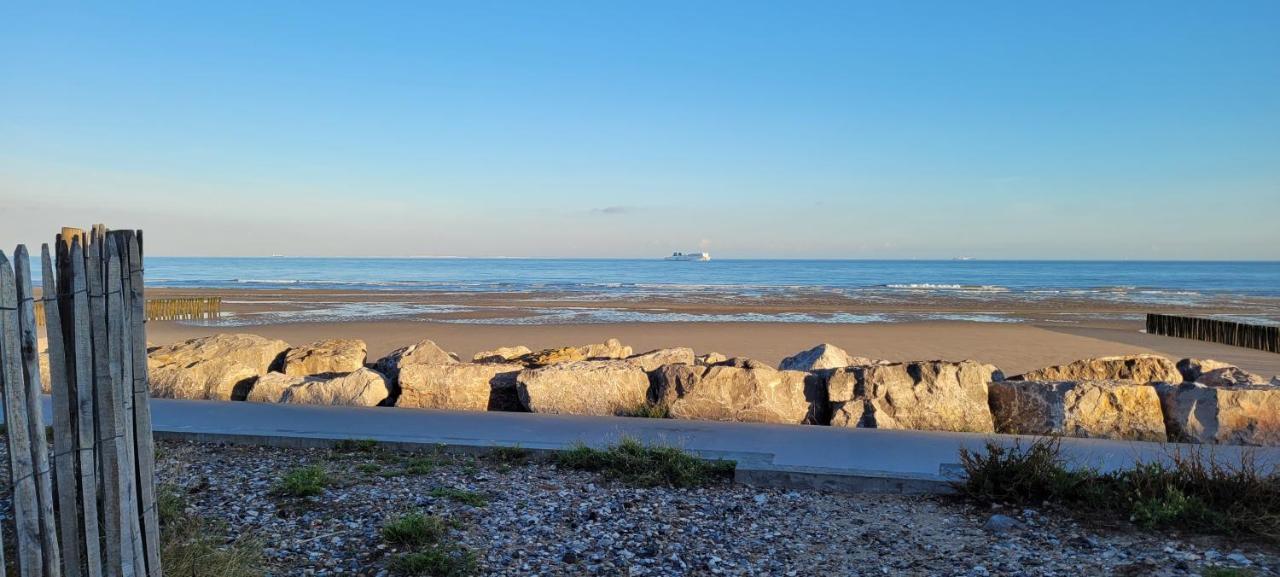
743,363
611,349
205,379
1230,376
710,359
460,386
1233,415
823,356
611,387
271,386
1191,369
1095,409
425,352
329,356
728,393
218,367
501,354
362,388
922,395
1136,368
653,359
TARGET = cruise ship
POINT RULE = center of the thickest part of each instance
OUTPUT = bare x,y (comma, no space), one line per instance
695,256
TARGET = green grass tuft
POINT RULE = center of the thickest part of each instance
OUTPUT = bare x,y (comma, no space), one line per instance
420,466
436,561
515,455
646,466
648,411
414,530
303,482
1227,572
1192,491
192,546
355,446
460,496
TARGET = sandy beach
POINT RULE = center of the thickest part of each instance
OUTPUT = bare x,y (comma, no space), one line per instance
1044,334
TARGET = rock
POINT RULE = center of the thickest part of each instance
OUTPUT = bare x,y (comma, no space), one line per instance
501,354
271,386
607,387
361,388
710,359
1229,376
823,356
1234,415
1136,368
728,393
424,352
1191,369
653,359
922,395
1275,381
555,356
208,379
743,363
610,349
330,356
218,367
460,386
1000,524
1095,409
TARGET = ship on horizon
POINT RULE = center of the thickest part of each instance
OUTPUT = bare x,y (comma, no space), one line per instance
690,256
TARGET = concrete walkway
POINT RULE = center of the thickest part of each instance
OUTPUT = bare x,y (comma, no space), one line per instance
768,455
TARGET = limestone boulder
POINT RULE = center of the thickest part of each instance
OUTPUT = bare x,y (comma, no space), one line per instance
653,359
555,356
710,359
460,386
1232,415
501,354
329,356
218,367
1094,409
744,394
205,379
823,356
610,349
609,387
743,363
425,352
922,395
1230,376
1191,369
1136,368
361,388
258,353
269,388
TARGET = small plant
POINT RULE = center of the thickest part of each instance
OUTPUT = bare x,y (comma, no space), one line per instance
436,561
647,466
369,468
461,496
420,466
414,530
515,455
1218,571
648,411
303,482
429,552
193,547
355,446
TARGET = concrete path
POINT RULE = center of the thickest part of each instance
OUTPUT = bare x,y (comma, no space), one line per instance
771,455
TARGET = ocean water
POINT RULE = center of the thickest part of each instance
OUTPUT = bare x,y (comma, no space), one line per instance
566,287
745,277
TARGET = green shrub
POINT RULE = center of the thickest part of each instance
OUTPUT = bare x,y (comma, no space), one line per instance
420,466
355,446
1226,572
646,466
516,455
303,482
460,495
436,561
1191,490
414,530
192,546
648,411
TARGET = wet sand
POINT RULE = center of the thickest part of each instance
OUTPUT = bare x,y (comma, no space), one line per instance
1014,347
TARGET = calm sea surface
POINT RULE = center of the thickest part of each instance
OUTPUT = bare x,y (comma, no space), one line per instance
1152,279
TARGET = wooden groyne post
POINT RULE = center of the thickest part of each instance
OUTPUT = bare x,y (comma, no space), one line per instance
1260,337
100,479
170,309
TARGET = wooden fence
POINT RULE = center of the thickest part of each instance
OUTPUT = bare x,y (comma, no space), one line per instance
1263,338
176,309
89,509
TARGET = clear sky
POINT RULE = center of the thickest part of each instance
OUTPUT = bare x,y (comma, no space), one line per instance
894,129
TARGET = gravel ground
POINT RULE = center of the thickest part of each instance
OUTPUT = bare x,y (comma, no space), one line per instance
543,521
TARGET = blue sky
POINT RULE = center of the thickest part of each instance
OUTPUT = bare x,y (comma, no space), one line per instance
798,129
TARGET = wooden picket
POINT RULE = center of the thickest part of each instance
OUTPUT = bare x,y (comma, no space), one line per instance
97,490
1260,337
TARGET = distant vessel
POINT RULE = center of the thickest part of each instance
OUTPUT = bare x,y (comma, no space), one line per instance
695,256
963,258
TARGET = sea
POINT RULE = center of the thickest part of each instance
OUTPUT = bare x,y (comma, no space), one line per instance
1138,283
